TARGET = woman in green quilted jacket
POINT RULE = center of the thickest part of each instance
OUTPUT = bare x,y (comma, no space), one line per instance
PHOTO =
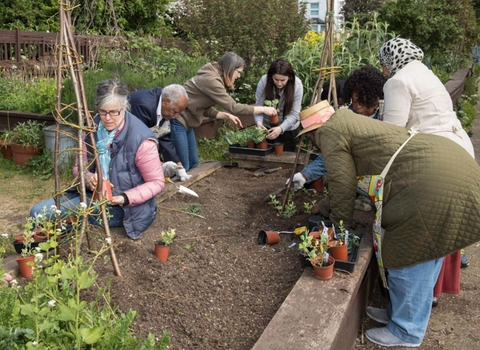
431,202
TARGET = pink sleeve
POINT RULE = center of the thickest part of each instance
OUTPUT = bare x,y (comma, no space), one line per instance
148,163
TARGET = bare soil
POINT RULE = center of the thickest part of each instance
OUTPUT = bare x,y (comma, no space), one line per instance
220,288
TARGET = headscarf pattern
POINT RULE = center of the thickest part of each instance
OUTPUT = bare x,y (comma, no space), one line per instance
397,53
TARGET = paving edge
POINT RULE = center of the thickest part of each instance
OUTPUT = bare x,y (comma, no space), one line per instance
322,314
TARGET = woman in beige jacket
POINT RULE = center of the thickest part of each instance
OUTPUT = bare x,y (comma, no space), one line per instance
206,90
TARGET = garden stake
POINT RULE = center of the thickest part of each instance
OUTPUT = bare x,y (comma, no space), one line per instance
66,50
294,169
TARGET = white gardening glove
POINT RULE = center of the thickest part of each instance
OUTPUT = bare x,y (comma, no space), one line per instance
298,181
182,174
169,169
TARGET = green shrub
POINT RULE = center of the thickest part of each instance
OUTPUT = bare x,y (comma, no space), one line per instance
259,31
19,93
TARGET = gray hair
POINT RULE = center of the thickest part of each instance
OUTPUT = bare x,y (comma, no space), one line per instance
228,64
112,91
174,92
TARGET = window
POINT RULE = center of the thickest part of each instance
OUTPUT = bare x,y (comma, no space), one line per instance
315,9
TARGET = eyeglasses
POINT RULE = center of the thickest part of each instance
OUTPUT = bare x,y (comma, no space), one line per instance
239,72
112,113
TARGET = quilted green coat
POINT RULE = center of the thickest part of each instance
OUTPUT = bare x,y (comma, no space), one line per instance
431,201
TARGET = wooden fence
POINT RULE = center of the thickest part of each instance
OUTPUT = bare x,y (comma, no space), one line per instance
21,46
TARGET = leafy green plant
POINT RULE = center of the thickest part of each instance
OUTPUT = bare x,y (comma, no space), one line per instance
190,246
19,93
194,208
290,207
348,237
257,134
355,46
308,206
213,149
167,236
29,133
49,312
240,137
312,248
6,137
273,103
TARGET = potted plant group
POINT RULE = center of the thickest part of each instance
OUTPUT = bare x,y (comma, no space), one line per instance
162,246
315,251
26,140
238,137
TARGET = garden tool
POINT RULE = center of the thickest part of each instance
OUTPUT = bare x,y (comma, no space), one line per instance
182,189
264,171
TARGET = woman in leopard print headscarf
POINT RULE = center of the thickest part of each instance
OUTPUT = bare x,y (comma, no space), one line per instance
414,96
398,52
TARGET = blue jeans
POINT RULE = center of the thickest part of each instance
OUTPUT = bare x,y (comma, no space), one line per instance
411,293
70,201
185,144
314,170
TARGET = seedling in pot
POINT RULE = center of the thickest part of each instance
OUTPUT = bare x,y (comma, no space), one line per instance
166,237
272,103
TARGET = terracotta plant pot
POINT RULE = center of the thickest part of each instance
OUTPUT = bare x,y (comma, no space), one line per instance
278,148
161,251
20,238
6,150
323,272
22,154
317,185
39,235
273,120
25,269
339,252
262,145
268,237
251,144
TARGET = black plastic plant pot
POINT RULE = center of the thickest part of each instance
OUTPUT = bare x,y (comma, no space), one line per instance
19,246
316,220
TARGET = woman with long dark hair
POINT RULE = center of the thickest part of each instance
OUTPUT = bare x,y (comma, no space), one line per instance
280,83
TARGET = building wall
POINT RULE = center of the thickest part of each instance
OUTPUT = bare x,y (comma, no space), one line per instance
317,10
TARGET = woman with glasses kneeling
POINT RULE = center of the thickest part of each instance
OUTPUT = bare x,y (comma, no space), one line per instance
128,155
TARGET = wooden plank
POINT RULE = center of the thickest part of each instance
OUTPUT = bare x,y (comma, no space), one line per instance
201,171
286,160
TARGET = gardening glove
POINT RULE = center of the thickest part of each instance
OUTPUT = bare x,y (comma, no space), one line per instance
298,181
169,169
182,174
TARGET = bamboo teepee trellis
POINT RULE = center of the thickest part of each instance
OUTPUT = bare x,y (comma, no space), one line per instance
326,65
69,62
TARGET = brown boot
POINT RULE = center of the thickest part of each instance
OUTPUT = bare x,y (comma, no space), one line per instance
322,208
